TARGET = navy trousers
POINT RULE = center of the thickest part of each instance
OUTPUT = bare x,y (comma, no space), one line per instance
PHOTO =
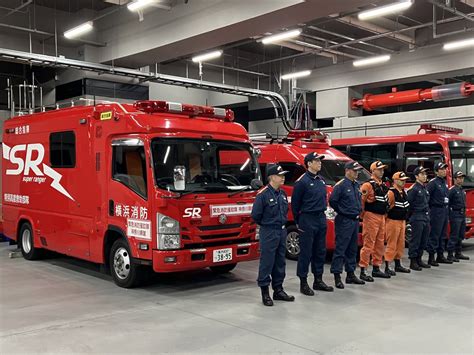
419,236
456,236
345,253
272,257
313,229
438,232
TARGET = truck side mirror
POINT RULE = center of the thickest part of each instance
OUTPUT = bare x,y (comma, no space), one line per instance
179,177
256,184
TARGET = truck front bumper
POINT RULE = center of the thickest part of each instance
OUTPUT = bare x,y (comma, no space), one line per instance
191,259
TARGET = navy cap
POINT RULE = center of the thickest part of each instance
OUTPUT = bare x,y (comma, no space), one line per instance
353,165
312,156
440,165
459,174
275,169
419,169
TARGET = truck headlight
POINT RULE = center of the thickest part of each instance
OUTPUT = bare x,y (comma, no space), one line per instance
330,213
169,241
257,233
168,232
468,220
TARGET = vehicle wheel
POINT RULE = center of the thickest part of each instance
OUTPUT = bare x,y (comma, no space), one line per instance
27,245
223,269
124,272
292,243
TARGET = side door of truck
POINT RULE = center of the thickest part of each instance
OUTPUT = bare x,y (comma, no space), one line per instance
128,196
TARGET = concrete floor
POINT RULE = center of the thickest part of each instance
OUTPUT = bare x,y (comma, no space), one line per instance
62,305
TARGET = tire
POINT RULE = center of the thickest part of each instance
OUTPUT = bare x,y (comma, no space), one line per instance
124,272
292,243
26,242
223,269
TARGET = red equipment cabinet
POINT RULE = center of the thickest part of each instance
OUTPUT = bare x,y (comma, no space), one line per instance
290,153
149,184
432,143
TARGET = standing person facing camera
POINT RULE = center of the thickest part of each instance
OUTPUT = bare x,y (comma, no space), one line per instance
396,224
346,201
270,211
309,203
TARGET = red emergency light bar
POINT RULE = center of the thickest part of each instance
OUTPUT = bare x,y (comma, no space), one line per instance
307,135
434,128
151,106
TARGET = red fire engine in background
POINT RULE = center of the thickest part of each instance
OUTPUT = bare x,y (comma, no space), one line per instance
152,185
431,144
289,153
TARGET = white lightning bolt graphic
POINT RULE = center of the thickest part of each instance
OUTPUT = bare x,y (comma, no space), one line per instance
6,151
56,178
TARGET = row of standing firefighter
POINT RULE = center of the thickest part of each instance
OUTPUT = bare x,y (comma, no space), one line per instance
384,212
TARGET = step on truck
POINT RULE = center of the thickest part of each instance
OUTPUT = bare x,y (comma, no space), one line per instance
153,185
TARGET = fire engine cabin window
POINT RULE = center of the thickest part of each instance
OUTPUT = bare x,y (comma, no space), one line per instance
294,172
129,167
425,154
367,154
62,149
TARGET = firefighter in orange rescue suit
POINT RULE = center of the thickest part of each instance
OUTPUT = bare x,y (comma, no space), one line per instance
375,207
395,224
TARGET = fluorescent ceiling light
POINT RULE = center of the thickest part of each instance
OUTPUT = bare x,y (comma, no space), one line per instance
385,10
371,60
139,4
299,74
281,36
206,56
79,30
459,44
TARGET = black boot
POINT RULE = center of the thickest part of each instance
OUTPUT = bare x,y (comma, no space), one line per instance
280,295
389,271
414,264
304,287
399,267
338,281
364,276
266,299
376,272
320,285
452,257
351,278
460,256
442,260
423,264
432,261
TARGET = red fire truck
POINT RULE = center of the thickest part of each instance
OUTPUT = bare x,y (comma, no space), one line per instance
289,153
154,185
431,144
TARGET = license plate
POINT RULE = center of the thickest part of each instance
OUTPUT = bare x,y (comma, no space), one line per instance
222,255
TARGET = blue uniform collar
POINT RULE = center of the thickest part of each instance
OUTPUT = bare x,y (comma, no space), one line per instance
313,176
350,181
273,190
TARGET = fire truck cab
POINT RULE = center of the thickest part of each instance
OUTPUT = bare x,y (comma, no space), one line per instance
431,144
289,152
154,185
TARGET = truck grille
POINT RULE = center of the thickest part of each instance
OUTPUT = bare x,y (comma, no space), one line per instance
220,236
219,227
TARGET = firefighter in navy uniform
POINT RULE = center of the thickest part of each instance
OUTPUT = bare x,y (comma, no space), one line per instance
270,211
309,203
345,199
439,215
418,198
457,218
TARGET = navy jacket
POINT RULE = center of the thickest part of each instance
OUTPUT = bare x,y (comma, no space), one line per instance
439,192
457,202
346,198
270,208
418,197
309,195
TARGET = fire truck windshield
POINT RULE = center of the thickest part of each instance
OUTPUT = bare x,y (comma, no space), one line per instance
200,165
462,158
